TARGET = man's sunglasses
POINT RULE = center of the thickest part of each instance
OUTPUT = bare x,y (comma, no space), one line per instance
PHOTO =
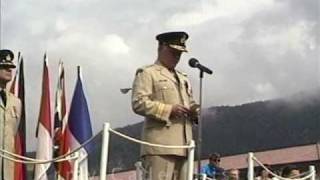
216,160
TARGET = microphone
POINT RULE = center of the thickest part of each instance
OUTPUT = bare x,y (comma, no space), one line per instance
193,62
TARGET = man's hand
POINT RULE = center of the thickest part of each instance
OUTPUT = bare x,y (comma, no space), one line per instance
195,110
179,111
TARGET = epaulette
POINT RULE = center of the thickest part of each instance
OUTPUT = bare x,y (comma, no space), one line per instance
139,71
182,73
143,68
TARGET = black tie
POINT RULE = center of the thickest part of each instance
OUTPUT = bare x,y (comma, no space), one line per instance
3,97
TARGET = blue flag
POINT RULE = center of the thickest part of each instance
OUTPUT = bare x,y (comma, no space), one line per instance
79,119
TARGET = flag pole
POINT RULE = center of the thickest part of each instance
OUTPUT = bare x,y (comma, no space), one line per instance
79,72
0,23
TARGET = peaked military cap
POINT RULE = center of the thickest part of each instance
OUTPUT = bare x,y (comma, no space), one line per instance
175,40
6,58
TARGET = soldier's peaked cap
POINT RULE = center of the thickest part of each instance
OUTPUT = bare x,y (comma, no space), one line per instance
174,40
6,58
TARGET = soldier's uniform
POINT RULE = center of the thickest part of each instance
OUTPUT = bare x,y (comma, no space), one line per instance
10,111
155,91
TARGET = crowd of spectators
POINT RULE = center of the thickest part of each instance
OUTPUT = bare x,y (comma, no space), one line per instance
213,170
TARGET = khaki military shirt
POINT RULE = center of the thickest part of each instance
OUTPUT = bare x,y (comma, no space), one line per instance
155,90
9,121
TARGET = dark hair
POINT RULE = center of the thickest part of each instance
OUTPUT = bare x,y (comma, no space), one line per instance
214,156
287,170
260,169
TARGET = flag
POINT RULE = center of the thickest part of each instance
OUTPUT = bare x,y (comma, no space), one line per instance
44,130
60,121
79,126
14,84
17,88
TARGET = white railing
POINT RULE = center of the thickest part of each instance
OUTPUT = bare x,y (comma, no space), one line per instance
27,160
75,157
311,174
71,156
105,147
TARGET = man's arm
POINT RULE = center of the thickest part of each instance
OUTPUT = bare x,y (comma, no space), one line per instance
142,102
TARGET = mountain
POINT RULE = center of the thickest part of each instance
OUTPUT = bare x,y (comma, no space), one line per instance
230,130
260,126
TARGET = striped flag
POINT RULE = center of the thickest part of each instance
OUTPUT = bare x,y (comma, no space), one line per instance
17,88
79,125
60,122
14,84
44,130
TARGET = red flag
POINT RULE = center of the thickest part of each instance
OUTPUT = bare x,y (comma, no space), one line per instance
17,88
60,122
44,130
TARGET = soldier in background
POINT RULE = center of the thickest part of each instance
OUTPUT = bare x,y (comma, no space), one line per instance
163,96
10,111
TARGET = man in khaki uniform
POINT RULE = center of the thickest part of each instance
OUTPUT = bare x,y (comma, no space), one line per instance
163,95
10,110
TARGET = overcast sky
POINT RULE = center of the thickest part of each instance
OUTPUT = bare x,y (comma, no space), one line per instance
258,50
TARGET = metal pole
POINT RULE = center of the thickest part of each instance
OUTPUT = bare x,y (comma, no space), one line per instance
191,160
199,138
104,151
312,170
250,166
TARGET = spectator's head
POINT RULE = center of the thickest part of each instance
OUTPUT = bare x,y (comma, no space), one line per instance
264,173
214,159
233,174
290,171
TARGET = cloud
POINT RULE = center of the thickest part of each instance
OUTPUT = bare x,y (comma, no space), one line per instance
208,10
257,49
114,44
265,90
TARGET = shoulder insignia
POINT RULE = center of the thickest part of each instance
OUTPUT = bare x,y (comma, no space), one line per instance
182,73
139,71
143,68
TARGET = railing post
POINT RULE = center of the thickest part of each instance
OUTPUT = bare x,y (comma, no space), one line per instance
191,160
312,170
203,176
250,166
104,151
139,172
76,166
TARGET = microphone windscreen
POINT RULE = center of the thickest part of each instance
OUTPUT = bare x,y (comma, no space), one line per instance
193,62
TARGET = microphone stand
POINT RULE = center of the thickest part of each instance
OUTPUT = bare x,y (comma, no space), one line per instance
199,129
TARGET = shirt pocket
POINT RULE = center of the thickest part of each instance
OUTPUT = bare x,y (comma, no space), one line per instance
164,90
14,112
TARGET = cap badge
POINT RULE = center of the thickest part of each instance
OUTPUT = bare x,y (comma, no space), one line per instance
183,39
8,57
